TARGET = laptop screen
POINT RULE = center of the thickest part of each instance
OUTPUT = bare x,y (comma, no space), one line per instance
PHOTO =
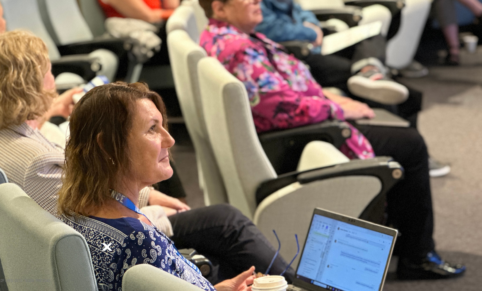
342,256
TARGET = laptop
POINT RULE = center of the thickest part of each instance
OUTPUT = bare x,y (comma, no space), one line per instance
343,253
343,39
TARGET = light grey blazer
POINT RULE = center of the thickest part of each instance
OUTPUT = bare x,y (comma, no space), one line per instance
35,164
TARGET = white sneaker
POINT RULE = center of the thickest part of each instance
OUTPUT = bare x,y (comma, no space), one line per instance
437,169
374,86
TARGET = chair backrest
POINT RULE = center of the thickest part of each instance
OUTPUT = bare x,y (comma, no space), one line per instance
145,277
3,177
185,19
24,14
230,125
201,19
38,251
65,28
402,47
185,55
94,16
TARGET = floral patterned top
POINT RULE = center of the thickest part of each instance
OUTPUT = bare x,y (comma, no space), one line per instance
281,90
118,244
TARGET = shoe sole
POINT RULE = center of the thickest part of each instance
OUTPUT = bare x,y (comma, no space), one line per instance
384,92
424,276
435,173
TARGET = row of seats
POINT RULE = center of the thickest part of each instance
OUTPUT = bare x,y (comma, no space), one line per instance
235,168
79,47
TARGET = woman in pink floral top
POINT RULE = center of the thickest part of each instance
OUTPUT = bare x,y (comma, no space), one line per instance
281,90
283,94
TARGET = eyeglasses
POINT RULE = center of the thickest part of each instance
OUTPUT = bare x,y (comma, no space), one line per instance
277,252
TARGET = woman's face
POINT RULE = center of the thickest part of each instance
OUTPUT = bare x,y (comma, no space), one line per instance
148,145
49,80
3,24
243,14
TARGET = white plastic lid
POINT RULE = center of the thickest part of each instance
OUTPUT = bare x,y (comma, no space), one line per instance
273,283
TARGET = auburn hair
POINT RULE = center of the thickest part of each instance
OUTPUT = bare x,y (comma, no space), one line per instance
96,153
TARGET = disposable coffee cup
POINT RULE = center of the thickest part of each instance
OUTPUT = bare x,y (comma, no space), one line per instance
470,42
270,283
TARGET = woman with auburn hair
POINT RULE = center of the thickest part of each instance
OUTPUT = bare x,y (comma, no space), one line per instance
283,94
220,232
108,160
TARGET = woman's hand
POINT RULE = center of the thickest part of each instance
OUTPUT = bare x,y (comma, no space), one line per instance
356,110
63,105
158,198
319,33
242,282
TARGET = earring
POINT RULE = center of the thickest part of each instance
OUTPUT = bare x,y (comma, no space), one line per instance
112,161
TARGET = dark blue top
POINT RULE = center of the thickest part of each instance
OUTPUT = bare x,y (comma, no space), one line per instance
118,244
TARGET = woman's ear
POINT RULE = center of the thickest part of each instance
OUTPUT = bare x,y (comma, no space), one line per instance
100,142
218,10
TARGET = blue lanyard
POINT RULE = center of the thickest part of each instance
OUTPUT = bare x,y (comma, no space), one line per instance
126,202
119,197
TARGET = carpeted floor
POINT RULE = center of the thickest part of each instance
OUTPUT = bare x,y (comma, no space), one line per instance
451,123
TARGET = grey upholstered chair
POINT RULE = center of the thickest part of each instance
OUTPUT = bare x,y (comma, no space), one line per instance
71,34
158,77
184,18
284,202
148,278
37,251
185,55
22,14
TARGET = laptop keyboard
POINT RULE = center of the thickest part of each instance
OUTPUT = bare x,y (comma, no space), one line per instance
294,288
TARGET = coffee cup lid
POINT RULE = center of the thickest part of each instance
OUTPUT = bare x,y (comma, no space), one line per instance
269,282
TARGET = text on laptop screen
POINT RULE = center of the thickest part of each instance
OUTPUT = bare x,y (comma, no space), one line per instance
344,257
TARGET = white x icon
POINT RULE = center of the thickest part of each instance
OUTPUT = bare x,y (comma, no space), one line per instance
106,247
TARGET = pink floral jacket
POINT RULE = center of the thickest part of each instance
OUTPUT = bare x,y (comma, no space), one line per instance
281,90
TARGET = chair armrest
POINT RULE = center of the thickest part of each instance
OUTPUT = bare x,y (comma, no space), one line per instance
203,263
82,65
388,171
283,148
351,15
144,277
302,48
395,6
118,46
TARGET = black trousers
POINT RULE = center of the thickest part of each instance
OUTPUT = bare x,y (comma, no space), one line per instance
229,239
335,70
409,202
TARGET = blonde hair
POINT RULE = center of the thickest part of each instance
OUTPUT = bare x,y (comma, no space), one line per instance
24,62
97,152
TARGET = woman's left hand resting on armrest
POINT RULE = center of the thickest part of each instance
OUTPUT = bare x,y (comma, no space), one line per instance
351,109
171,205
242,282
